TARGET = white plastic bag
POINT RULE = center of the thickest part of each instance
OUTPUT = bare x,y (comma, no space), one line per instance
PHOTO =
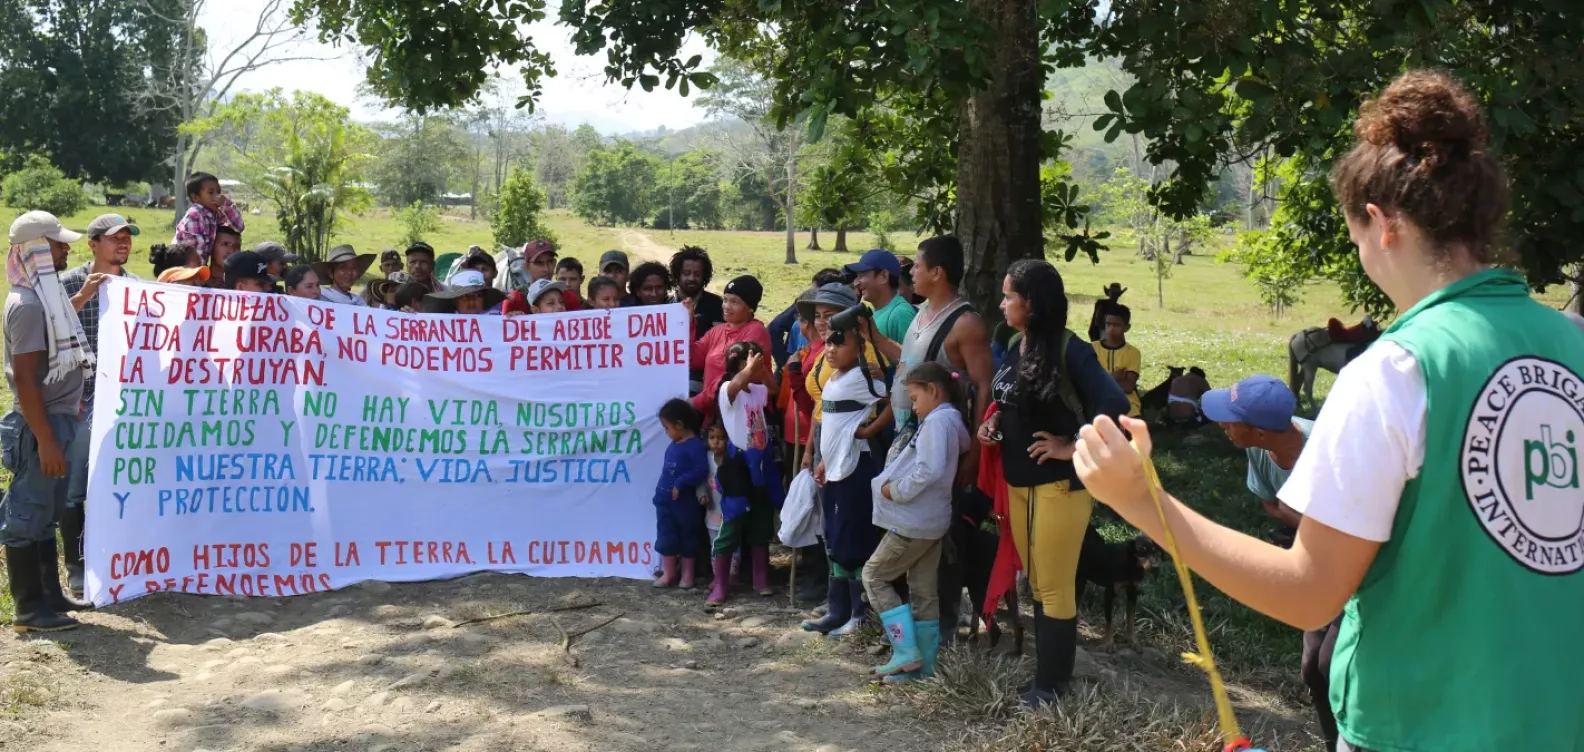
801,518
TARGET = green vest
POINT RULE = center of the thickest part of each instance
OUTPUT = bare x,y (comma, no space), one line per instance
1467,632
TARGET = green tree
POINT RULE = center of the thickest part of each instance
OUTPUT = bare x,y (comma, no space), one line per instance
1245,79
71,72
304,155
616,185
767,149
41,185
417,157
689,192
840,191
556,163
517,215
418,222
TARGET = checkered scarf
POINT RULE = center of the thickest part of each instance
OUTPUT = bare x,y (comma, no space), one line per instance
33,267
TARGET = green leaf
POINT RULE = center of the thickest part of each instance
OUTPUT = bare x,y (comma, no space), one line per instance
648,82
1113,100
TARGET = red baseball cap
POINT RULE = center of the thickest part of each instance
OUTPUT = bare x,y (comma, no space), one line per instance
535,248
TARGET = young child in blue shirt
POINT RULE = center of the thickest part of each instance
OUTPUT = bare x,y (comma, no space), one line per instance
676,497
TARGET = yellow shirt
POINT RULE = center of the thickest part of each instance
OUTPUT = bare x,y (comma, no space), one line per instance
819,368
1124,358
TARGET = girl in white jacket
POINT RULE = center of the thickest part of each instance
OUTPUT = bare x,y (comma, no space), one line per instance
913,504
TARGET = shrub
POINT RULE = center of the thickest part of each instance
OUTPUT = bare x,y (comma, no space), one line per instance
39,185
418,222
516,216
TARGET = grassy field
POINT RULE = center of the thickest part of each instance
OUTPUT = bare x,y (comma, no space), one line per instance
1211,318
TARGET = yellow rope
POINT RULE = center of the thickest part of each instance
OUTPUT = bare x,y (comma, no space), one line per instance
1203,659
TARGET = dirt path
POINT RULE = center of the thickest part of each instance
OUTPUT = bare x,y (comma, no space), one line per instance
644,248
384,667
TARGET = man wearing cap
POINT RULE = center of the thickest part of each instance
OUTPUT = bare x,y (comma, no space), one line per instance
614,264
249,272
878,276
467,294
110,239
539,260
47,361
339,271
390,262
1257,415
421,265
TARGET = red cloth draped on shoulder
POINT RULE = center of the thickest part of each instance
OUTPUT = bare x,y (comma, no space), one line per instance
1003,576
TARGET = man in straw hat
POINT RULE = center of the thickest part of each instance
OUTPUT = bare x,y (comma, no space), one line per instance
46,362
467,294
339,271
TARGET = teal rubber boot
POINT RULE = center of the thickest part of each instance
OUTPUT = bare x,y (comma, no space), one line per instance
899,629
929,642
928,636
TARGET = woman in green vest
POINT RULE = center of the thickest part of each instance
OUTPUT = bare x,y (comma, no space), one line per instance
1443,515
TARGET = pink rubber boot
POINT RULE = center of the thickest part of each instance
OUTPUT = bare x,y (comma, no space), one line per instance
668,573
722,566
687,573
761,571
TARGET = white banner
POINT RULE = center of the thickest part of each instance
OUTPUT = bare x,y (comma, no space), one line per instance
264,445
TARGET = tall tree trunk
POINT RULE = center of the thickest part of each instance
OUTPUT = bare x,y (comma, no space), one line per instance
179,178
1577,286
813,240
1161,267
791,189
998,189
841,240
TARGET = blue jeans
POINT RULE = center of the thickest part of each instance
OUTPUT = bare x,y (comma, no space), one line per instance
34,502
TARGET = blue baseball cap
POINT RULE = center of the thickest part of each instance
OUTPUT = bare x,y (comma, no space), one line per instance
877,261
1263,402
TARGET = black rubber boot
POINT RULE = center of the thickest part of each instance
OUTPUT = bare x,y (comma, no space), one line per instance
813,572
949,586
1039,613
33,614
49,575
71,527
1056,649
838,608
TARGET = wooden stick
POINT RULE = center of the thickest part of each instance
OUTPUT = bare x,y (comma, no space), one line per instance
568,637
509,614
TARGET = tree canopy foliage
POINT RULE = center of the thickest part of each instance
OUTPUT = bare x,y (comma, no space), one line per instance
950,94
71,75
1220,81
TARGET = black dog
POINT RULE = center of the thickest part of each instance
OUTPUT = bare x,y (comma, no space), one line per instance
1116,565
1155,399
978,540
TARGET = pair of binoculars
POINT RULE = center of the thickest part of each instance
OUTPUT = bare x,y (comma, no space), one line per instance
847,320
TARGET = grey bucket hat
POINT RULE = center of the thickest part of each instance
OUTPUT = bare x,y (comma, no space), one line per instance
833,294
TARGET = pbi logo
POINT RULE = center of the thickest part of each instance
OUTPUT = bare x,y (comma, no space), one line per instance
1549,463
1519,463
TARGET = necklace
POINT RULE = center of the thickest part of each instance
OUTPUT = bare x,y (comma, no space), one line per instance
936,314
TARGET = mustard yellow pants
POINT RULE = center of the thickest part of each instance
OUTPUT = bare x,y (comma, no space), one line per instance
1048,524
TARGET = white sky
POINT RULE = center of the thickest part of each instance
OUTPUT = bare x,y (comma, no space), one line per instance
576,95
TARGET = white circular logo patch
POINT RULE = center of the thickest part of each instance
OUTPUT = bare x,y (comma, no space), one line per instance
1520,463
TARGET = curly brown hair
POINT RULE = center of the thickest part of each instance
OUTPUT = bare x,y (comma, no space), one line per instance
1422,154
